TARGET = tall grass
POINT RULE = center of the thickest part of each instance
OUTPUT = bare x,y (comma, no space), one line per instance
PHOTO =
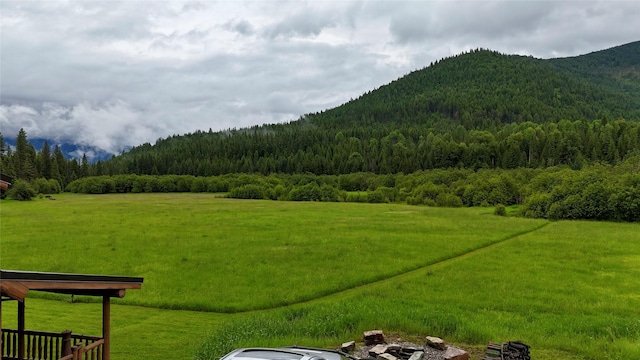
570,290
200,252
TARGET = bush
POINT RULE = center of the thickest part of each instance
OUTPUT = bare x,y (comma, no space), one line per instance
198,185
626,204
139,184
308,192
500,210
389,193
537,205
329,193
92,185
152,185
250,191
375,197
426,194
356,197
167,184
216,185
44,186
448,200
595,202
123,183
184,183
21,190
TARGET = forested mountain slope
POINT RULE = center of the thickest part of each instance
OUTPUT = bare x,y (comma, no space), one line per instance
617,68
479,109
483,88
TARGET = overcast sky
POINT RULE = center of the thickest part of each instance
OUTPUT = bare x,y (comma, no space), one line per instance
117,74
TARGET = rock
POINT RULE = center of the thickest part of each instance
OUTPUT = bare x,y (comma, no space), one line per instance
386,356
373,337
436,343
453,353
416,355
377,350
407,351
394,349
348,347
410,349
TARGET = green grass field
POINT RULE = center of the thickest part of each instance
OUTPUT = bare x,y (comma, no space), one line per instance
262,273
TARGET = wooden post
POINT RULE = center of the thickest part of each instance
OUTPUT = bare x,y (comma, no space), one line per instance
21,330
106,327
66,343
77,351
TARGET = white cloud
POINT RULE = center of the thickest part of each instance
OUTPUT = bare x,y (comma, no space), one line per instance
118,74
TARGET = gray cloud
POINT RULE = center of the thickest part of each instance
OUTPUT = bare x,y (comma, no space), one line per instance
118,74
241,27
306,21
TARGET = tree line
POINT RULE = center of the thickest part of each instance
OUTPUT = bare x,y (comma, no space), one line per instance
598,192
604,186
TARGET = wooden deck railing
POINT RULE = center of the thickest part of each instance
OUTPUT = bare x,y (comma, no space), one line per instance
39,345
81,352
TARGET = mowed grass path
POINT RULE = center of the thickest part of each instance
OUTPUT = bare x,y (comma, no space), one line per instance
201,252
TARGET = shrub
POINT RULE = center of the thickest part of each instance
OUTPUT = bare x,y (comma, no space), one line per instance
215,185
91,185
448,200
500,210
108,185
139,184
21,190
249,191
124,183
536,205
199,185
356,197
426,194
595,202
329,193
184,183
152,185
308,192
388,193
40,186
44,186
375,197
626,204
167,184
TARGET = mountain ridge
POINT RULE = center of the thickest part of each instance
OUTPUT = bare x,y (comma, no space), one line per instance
453,85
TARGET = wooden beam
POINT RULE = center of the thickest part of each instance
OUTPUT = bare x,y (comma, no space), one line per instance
74,285
119,293
106,327
13,289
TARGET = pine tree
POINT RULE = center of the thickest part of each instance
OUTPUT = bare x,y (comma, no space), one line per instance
84,168
45,155
24,157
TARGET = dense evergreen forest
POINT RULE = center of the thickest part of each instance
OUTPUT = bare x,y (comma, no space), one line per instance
474,111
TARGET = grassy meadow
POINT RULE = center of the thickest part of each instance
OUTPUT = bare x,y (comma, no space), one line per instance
223,273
